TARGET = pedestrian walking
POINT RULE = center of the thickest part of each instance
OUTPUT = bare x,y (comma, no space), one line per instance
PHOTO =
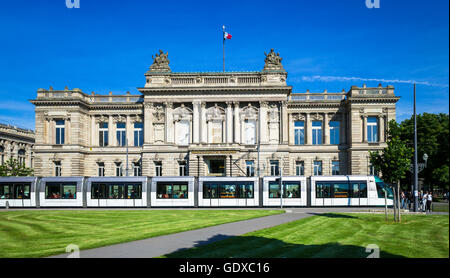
403,196
429,201
424,201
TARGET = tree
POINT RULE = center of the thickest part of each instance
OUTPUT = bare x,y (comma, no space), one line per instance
12,167
394,160
432,139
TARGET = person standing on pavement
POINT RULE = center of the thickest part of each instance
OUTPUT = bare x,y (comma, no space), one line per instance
429,201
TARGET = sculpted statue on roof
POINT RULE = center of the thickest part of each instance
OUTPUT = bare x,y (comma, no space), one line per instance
160,62
273,61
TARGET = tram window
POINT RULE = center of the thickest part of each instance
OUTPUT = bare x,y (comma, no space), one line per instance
133,191
172,190
70,192
210,191
323,190
227,190
245,190
115,191
98,191
341,190
380,190
354,186
53,191
291,189
362,190
26,191
6,191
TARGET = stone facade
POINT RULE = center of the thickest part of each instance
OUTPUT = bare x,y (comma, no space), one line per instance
212,123
16,143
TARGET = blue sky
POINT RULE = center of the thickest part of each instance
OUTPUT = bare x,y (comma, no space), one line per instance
325,44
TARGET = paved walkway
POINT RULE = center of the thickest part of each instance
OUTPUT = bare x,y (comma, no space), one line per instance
162,245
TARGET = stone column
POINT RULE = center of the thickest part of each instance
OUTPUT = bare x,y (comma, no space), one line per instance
326,129
284,121
52,132
92,141
111,132
308,129
47,131
365,128
263,105
382,128
229,122
343,129
196,121
67,131
148,123
291,129
203,126
129,131
169,123
237,128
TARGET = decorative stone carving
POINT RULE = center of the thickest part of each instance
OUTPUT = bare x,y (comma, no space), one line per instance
298,117
316,116
136,119
249,112
215,113
272,61
158,114
119,119
274,115
101,119
181,113
160,62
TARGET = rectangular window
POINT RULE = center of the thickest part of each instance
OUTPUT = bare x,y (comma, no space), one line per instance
14,191
335,167
210,190
274,168
182,166
121,134
291,189
103,134
101,169
173,190
116,191
317,168
334,132
250,168
60,130
323,190
359,189
158,168
56,190
299,132
250,132
228,190
317,132
58,169
119,169
182,132
372,129
300,168
341,190
137,171
138,134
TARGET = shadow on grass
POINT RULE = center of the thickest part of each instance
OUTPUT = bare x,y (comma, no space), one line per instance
223,246
333,215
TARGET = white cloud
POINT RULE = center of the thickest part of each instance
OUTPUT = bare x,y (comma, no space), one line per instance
345,78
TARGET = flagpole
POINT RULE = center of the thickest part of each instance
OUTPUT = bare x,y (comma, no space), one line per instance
223,42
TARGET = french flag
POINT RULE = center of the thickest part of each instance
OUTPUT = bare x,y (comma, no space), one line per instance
226,36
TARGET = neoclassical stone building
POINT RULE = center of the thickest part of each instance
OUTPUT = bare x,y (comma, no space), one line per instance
211,123
16,143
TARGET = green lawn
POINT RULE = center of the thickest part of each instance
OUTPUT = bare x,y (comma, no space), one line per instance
337,235
440,207
39,233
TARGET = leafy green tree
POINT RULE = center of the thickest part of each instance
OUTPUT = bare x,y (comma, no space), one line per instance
394,160
432,139
12,167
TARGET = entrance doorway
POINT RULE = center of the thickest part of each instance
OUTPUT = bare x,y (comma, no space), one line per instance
216,167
